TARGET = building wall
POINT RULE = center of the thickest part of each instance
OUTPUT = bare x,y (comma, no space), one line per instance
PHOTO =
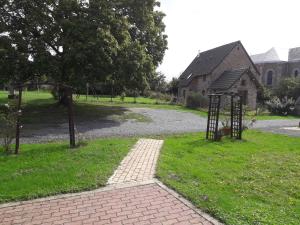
250,87
292,68
278,70
235,60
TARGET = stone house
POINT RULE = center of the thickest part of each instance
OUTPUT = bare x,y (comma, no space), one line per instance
225,69
272,69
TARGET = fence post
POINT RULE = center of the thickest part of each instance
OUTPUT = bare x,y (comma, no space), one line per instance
71,118
18,122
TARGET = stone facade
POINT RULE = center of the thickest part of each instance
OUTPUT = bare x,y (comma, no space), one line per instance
273,70
236,58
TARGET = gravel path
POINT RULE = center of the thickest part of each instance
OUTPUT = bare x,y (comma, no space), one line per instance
163,122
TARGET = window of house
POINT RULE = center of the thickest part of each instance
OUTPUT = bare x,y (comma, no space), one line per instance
203,92
270,78
204,78
296,73
183,94
243,82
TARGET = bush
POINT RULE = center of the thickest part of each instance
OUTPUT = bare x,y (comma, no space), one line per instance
159,96
289,87
8,118
281,107
196,100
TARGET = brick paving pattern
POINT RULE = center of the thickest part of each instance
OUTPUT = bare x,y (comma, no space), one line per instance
139,165
134,198
146,204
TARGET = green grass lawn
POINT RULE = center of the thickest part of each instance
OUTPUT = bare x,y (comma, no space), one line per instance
93,108
254,181
49,169
40,108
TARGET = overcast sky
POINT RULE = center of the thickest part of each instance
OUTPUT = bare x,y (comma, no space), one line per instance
198,25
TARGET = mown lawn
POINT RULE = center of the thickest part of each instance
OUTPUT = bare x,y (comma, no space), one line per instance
40,108
93,108
254,181
49,169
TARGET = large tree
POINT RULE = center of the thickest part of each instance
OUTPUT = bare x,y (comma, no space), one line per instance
77,41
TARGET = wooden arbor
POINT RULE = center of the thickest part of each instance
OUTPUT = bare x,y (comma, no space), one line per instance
236,114
69,93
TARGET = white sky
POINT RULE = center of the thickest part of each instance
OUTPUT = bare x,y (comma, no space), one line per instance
194,25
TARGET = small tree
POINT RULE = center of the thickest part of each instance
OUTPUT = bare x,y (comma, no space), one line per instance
8,118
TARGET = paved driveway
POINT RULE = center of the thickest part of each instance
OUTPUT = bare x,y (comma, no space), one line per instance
163,122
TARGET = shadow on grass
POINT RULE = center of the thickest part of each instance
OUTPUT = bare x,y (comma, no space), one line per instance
48,118
34,114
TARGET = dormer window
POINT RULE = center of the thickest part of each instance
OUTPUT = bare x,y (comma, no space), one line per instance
243,83
188,77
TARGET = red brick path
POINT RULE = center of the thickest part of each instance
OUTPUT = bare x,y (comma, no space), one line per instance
146,204
143,200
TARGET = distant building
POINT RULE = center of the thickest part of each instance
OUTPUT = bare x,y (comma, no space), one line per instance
272,69
225,69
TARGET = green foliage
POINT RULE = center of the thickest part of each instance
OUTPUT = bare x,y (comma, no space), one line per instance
254,181
282,106
158,83
8,118
75,42
196,100
173,86
289,87
264,95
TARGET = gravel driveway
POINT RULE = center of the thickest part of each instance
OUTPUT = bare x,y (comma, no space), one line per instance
163,122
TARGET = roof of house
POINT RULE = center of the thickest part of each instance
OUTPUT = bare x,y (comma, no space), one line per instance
269,56
207,61
230,77
294,54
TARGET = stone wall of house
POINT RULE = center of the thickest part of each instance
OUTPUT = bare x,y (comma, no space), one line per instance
278,70
248,86
293,69
235,60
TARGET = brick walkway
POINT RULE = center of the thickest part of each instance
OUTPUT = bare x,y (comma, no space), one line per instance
126,201
139,165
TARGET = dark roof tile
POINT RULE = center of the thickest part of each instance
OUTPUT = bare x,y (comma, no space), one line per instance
207,61
227,79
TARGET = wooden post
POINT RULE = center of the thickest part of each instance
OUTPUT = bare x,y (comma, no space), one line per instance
87,91
216,136
232,116
208,119
71,117
240,119
18,122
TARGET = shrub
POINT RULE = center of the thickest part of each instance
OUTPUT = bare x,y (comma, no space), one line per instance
281,107
289,87
196,100
8,118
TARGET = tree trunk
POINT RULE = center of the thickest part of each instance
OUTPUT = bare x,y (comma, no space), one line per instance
63,97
